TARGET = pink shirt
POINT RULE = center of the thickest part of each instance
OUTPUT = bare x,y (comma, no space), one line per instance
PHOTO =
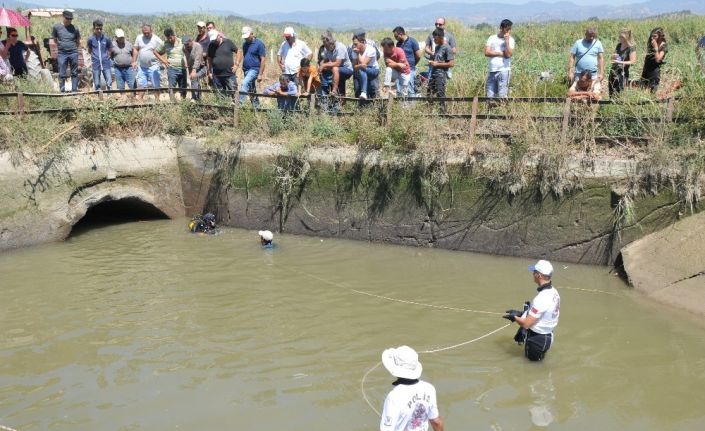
398,56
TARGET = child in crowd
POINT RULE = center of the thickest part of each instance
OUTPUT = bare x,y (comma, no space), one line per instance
286,92
398,71
309,80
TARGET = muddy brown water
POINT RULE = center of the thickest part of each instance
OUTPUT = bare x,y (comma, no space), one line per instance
143,326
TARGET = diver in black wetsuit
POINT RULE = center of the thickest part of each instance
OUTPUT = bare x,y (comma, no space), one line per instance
203,224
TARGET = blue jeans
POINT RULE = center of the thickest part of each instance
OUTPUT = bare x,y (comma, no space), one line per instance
412,84
196,83
286,103
366,81
498,84
177,79
344,73
104,71
124,75
147,74
227,83
64,60
249,85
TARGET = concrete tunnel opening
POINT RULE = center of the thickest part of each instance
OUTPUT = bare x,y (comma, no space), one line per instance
115,212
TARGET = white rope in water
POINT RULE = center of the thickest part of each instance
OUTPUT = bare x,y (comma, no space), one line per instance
362,388
421,304
443,349
587,290
387,298
440,349
4,428
442,307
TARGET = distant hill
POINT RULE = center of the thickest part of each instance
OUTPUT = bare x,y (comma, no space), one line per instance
477,13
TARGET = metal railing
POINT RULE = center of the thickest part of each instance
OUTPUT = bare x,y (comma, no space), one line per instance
312,104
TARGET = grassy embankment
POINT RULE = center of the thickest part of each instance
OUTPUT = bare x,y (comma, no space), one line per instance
674,155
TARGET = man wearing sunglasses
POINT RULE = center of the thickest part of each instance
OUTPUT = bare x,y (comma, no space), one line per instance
430,48
68,41
17,52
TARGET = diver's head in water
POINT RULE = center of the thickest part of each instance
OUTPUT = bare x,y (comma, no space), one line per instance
266,237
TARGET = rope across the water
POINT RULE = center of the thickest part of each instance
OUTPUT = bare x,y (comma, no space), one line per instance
442,307
387,298
440,349
4,428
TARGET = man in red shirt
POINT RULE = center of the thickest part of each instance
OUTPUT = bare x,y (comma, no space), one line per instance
398,68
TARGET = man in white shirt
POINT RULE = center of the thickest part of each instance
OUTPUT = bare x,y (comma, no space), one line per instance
291,52
499,49
541,316
411,405
366,69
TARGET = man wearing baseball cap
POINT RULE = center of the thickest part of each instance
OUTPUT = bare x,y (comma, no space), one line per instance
540,318
68,42
253,57
202,38
291,52
411,405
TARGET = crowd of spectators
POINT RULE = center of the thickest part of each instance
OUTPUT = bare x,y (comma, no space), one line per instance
211,58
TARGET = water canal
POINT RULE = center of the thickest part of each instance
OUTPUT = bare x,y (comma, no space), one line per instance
142,326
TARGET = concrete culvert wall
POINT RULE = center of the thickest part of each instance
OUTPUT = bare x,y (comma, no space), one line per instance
92,183
111,212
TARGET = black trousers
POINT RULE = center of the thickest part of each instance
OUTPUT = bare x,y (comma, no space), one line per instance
536,345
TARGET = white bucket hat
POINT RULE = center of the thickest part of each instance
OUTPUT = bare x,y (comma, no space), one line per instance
402,362
266,235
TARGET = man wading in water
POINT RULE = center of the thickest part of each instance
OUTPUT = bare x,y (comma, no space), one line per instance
540,316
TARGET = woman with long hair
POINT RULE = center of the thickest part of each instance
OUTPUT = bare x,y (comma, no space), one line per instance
624,56
655,55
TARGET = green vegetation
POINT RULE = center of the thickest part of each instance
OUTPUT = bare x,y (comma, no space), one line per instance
537,154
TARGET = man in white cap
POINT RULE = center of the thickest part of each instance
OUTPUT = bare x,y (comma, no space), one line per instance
253,57
265,238
222,59
202,38
291,52
122,61
541,316
411,405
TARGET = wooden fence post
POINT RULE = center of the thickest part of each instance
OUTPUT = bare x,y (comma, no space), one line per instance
20,103
311,104
473,118
236,110
390,106
669,110
566,119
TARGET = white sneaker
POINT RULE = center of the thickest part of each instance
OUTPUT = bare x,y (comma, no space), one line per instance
363,96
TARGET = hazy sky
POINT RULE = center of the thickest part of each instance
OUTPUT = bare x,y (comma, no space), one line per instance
252,7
